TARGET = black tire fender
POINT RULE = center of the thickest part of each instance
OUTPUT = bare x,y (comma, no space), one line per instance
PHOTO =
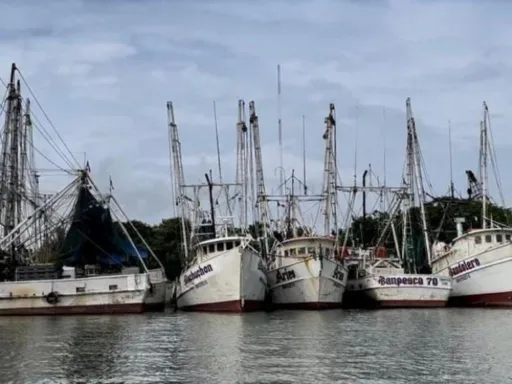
52,298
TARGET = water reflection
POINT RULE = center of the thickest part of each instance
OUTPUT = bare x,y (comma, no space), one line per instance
402,346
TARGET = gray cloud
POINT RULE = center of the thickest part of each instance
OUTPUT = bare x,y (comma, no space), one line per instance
104,72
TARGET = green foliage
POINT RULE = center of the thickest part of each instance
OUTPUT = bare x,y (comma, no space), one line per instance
441,214
165,239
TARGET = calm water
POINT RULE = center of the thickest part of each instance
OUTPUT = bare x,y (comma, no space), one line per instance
388,346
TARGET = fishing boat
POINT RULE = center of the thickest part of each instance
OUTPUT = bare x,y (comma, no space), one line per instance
380,279
382,282
93,271
226,275
61,253
222,269
305,274
303,270
479,260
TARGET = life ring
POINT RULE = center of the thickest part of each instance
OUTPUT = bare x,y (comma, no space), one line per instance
52,298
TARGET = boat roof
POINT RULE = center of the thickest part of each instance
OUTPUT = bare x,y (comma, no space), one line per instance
482,231
308,238
221,239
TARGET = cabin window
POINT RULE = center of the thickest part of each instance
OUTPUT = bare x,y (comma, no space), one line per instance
499,238
507,237
112,287
220,247
205,250
293,251
237,243
488,238
80,289
301,251
286,252
211,248
311,250
229,245
327,252
478,240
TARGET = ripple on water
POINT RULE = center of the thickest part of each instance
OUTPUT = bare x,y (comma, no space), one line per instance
392,346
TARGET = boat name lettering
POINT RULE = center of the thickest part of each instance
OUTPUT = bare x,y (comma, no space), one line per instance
464,267
201,271
338,273
288,285
285,276
408,280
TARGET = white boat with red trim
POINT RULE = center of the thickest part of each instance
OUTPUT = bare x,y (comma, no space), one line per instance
383,283
480,265
227,275
480,260
304,274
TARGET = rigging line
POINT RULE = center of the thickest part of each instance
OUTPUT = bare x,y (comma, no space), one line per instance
47,118
47,159
46,135
49,140
494,161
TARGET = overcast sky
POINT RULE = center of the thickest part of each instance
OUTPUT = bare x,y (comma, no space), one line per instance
103,71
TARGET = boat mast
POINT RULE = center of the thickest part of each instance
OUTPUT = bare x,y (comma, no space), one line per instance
261,197
416,153
6,141
12,153
330,174
212,205
242,161
179,178
483,163
407,204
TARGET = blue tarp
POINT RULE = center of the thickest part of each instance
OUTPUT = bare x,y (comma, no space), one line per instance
117,259
94,238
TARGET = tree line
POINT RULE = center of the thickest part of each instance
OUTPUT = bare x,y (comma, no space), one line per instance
165,238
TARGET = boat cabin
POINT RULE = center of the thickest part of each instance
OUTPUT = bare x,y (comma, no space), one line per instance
306,247
473,242
213,247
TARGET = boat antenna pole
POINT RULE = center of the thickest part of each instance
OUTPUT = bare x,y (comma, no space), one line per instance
363,235
280,134
212,207
383,194
452,189
291,204
217,140
219,165
483,166
304,152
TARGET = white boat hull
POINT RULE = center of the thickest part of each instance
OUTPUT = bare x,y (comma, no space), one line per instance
398,291
307,283
480,265
90,295
483,279
232,281
156,297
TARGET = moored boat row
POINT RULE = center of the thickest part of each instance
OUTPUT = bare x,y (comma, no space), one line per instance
308,271
238,255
